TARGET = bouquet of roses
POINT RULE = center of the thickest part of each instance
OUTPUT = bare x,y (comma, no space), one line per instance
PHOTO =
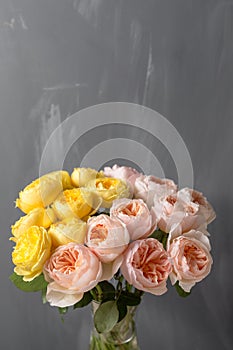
109,236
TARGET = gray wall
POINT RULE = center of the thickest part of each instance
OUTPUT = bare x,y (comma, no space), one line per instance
174,56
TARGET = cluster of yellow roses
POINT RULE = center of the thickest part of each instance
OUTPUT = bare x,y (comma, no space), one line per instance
57,206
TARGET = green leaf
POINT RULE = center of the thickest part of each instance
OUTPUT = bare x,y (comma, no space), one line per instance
130,299
164,240
180,290
160,236
157,234
35,285
43,295
122,308
63,310
108,291
106,316
86,299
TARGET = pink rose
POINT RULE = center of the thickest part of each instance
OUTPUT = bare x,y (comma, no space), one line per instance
191,259
107,237
125,173
150,188
146,266
135,214
178,213
204,206
71,270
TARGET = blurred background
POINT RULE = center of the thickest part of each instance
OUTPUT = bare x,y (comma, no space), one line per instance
173,56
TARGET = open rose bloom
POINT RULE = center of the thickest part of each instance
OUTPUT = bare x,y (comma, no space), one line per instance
135,214
151,188
191,259
85,231
107,237
71,270
146,266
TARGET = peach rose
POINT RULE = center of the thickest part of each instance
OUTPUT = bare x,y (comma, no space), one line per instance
146,266
204,206
125,173
72,270
150,188
107,237
135,214
176,213
191,259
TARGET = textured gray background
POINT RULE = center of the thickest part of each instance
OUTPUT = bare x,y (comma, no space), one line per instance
174,56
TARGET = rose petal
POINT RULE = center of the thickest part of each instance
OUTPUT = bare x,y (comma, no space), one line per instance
61,297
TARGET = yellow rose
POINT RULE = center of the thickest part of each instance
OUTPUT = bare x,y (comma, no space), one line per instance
31,251
109,189
81,176
42,191
78,202
68,230
36,217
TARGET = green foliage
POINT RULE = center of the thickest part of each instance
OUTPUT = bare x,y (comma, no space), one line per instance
63,310
108,291
98,344
180,290
160,236
35,285
106,316
122,308
86,299
43,295
130,299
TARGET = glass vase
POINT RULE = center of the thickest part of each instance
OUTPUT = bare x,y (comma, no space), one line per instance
122,336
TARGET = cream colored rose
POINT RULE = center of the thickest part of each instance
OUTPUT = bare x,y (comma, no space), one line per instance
71,229
109,189
81,176
191,259
36,217
107,237
43,191
32,249
78,202
72,270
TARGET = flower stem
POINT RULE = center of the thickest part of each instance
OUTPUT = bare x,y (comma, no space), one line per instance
99,292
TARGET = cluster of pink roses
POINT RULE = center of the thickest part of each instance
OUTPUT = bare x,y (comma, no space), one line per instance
123,239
